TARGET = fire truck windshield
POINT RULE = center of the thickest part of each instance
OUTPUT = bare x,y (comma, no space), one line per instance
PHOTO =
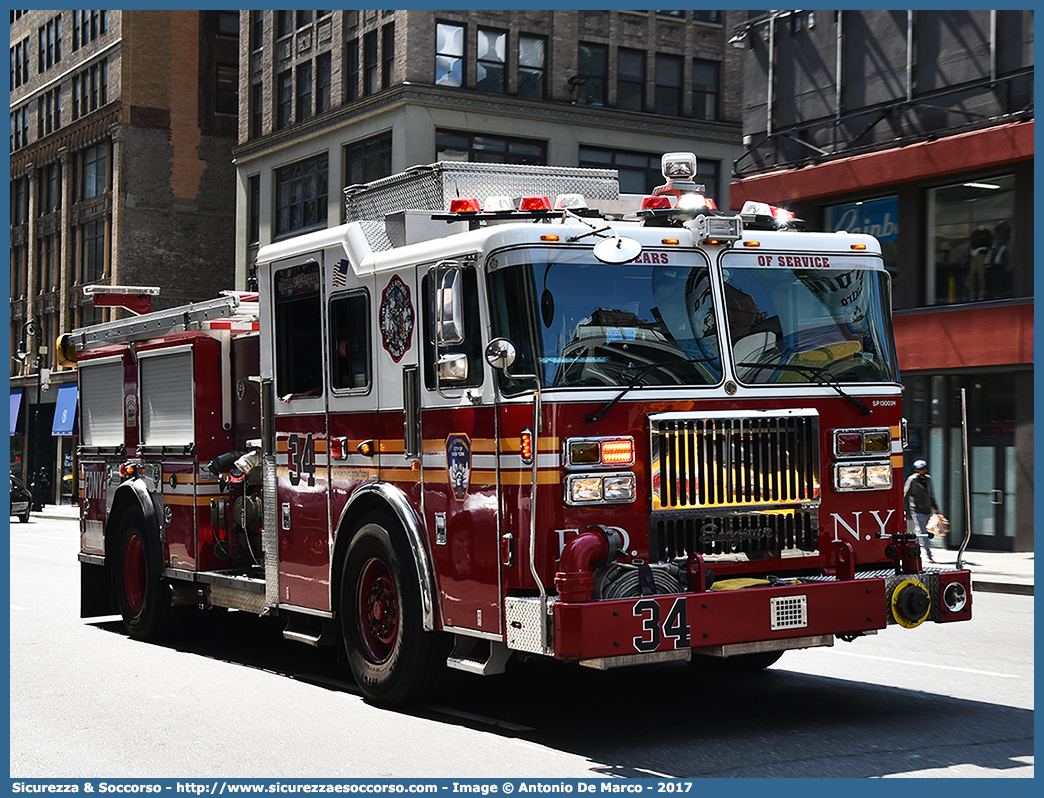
810,325
577,322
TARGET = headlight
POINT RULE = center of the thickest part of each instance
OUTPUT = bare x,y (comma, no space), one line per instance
600,488
863,476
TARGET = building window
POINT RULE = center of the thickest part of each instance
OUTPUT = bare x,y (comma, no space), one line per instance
969,236
284,23
49,112
47,265
706,92
19,128
323,82
669,85
257,111
707,16
88,26
90,89
257,30
20,63
387,55
491,61
228,24
19,201
367,160
351,68
95,171
370,65
456,145
92,251
592,74
284,99
304,19
227,97
49,189
639,172
449,54
630,80
304,91
532,66
50,44
301,195
254,209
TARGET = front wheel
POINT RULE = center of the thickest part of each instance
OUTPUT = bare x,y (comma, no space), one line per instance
144,596
24,518
394,661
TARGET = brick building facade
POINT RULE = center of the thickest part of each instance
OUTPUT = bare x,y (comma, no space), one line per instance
121,174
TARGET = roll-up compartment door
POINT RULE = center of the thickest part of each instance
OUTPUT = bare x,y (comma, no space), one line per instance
166,387
101,403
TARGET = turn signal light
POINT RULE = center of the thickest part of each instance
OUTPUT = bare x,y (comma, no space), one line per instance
526,446
618,452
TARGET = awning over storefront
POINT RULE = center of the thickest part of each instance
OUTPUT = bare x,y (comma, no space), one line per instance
64,410
16,402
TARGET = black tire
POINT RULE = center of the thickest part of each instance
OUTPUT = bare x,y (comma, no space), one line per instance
143,594
394,661
24,518
737,665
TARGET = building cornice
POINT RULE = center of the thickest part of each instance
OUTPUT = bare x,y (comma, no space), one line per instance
403,95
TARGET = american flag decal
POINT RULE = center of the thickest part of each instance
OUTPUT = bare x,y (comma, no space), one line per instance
340,273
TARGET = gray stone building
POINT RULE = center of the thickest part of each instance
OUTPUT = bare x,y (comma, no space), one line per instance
334,98
122,128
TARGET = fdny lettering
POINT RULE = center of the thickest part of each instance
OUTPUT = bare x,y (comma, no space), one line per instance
93,485
854,531
652,257
795,261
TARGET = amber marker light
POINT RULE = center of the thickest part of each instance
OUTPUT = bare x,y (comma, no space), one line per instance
752,243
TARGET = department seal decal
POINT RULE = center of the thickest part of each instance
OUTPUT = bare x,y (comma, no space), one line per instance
396,318
458,464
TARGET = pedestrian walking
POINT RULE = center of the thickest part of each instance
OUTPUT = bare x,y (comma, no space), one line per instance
41,489
919,497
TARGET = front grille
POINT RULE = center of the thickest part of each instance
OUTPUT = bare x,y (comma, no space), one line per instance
758,535
734,460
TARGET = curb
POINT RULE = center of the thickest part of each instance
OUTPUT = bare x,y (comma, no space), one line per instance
1013,588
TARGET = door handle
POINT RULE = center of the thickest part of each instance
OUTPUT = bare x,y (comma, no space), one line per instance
996,496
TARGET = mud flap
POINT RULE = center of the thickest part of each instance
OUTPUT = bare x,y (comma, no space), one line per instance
96,594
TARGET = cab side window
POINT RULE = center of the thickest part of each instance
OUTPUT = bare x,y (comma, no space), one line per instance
350,342
471,346
298,337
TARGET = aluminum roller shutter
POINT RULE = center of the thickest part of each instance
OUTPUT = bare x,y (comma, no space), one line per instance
101,403
166,388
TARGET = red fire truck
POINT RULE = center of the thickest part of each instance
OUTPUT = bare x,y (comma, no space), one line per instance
509,410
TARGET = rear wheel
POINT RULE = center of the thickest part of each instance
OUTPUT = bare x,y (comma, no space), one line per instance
394,661
144,596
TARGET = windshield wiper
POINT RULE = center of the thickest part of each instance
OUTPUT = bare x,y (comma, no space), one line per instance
591,418
816,373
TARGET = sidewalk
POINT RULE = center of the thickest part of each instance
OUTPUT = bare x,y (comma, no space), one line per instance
992,571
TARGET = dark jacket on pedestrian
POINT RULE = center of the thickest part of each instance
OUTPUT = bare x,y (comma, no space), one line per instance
919,495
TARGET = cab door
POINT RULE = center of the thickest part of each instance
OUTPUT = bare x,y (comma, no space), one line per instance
460,452
300,428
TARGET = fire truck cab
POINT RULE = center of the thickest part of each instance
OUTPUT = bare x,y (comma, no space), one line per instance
507,410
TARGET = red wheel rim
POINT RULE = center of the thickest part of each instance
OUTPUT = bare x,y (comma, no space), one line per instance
134,573
378,610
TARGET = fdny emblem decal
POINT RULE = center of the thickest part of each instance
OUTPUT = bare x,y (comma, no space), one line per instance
396,318
458,464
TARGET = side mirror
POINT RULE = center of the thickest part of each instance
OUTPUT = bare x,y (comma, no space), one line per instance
449,304
453,368
500,353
